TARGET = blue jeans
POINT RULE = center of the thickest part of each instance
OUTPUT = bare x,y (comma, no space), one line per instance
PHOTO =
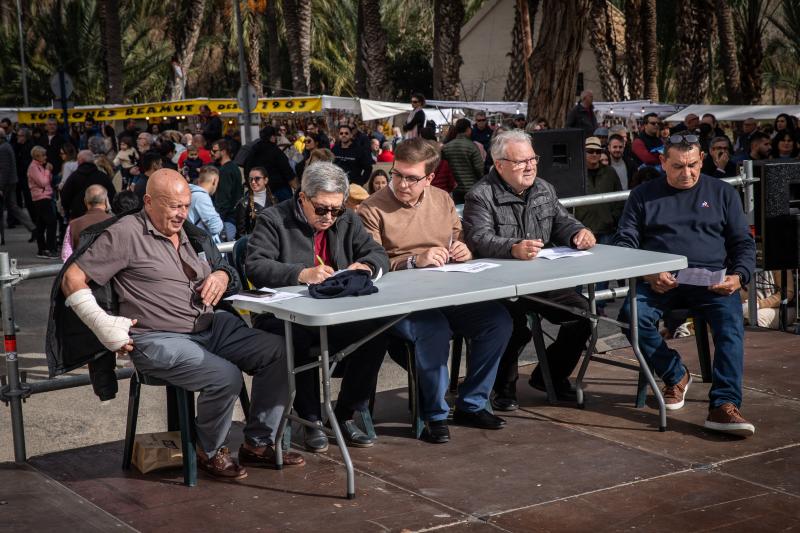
488,326
722,313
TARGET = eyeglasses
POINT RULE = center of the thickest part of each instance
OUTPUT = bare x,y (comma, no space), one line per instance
411,180
306,141
321,210
679,138
653,123
593,152
344,133
256,178
480,120
522,163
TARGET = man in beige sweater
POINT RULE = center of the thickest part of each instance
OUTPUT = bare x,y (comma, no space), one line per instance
418,226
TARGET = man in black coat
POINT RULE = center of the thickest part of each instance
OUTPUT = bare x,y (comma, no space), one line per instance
355,160
85,175
265,153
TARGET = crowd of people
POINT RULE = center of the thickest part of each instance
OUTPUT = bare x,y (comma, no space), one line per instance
131,205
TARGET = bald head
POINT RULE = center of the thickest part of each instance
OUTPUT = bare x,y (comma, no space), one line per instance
167,201
95,196
85,156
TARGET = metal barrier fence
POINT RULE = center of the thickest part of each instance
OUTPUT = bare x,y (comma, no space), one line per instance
16,390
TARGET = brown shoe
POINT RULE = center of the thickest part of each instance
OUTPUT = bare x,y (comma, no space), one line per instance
266,457
221,465
674,394
728,419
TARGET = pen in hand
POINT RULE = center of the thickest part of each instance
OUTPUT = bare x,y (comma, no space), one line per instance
450,249
321,262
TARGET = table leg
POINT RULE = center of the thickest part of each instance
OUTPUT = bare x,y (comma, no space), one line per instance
287,328
589,349
644,367
326,399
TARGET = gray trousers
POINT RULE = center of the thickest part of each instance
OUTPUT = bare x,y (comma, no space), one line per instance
212,362
10,204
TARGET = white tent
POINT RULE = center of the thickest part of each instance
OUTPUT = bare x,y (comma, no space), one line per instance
737,112
511,108
636,108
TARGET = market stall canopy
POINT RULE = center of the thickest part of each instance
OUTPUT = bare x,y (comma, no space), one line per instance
373,109
637,108
510,108
737,112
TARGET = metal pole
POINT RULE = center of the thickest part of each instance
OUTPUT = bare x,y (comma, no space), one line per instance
25,98
243,71
13,392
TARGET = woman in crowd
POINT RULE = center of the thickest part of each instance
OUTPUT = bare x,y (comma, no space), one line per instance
784,122
257,196
70,162
311,142
784,145
40,182
377,181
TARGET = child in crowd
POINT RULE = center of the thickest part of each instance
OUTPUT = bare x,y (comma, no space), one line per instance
127,158
192,164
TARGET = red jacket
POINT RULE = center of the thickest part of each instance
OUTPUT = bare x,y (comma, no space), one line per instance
443,177
202,153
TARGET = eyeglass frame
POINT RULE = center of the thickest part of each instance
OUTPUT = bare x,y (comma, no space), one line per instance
516,164
321,211
681,138
410,180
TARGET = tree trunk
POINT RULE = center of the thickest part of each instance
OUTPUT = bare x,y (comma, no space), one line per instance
186,36
111,34
649,42
519,78
600,29
555,59
448,17
254,33
750,26
274,50
633,49
727,52
361,69
692,65
297,14
373,48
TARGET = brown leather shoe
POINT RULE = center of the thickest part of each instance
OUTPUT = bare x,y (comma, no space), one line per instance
727,419
221,465
266,457
674,395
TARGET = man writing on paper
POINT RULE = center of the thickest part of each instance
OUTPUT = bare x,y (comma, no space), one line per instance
511,213
418,226
689,213
168,326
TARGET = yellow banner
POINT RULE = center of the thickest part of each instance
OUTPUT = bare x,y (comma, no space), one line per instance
180,108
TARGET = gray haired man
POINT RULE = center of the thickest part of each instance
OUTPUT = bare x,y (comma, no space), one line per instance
509,214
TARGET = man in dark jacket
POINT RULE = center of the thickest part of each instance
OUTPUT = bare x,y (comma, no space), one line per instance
464,159
718,162
52,141
582,115
74,189
169,328
265,153
511,213
352,158
304,240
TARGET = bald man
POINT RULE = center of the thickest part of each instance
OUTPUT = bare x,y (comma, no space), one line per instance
168,326
96,201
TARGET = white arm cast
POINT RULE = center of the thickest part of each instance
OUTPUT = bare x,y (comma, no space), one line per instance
111,331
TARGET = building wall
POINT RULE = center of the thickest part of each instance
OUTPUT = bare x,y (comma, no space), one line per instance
485,47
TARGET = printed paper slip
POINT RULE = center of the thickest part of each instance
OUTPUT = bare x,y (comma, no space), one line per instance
561,251
470,268
700,277
270,296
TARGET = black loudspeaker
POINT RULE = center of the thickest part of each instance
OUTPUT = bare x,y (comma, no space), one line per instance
778,215
562,162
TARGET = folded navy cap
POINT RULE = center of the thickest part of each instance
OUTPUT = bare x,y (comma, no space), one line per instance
348,283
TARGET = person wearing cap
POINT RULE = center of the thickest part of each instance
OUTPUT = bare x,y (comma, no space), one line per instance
305,240
600,218
602,135
266,154
357,195
700,217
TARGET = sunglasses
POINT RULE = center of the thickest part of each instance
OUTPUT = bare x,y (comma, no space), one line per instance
480,120
256,178
321,210
684,139
594,152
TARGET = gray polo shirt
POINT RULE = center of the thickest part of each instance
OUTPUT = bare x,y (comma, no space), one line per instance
155,282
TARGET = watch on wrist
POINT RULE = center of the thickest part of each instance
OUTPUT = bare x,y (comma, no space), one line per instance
741,278
411,262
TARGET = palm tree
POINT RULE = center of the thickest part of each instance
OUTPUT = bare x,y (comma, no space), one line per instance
649,42
692,61
519,79
634,59
373,50
254,35
750,19
108,13
448,17
186,31
297,14
727,51
273,44
555,59
602,38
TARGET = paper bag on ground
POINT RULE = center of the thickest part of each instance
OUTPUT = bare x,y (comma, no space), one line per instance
152,451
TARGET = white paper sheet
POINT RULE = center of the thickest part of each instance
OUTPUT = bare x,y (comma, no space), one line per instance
470,268
700,277
275,296
561,251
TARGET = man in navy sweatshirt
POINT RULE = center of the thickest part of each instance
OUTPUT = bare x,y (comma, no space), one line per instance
689,213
